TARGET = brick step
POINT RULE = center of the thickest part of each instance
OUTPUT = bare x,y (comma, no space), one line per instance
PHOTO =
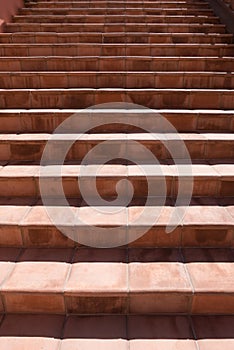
79,287
121,79
116,4
118,37
23,180
116,27
81,49
108,63
163,18
202,226
83,98
172,331
112,11
46,121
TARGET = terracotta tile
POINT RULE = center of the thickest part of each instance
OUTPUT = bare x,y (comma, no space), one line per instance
155,236
87,344
206,215
159,327
18,181
158,287
6,269
213,327
207,255
32,326
12,215
217,344
41,215
44,276
158,276
10,233
213,286
42,303
97,304
171,344
9,254
100,255
154,255
88,278
99,327
215,277
44,236
99,216
230,210
33,343
56,255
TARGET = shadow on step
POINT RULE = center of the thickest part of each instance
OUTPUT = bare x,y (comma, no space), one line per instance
118,327
117,255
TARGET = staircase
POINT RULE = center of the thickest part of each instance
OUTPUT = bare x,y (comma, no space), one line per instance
162,291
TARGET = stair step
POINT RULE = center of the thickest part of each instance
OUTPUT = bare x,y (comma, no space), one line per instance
202,226
104,49
108,63
120,79
182,17
23,180
112,11
118,37
83,98
120,287
46,121
120,27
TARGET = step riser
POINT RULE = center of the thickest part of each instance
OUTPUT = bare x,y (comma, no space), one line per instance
143,38
117,80
37,64
185,99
